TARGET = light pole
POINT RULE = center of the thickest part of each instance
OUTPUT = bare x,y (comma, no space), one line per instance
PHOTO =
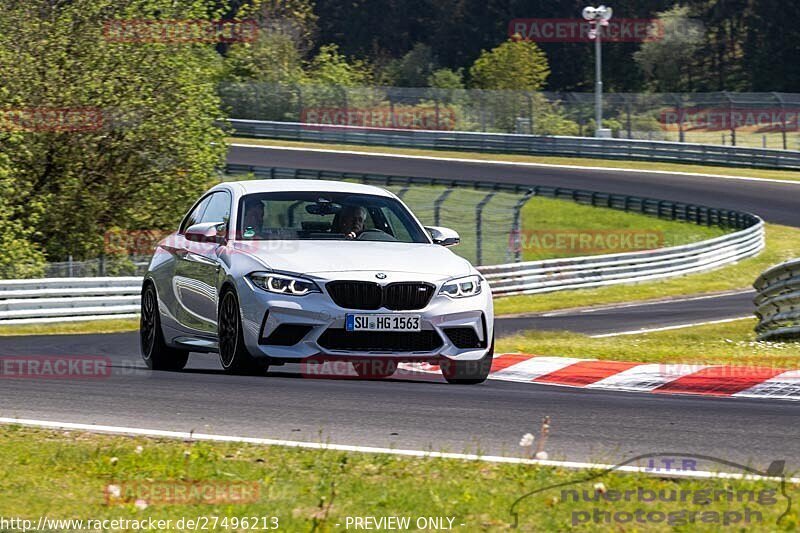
598,17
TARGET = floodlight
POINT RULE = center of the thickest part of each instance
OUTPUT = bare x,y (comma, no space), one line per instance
589,13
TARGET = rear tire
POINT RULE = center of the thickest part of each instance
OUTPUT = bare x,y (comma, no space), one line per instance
233,354
468,372
375,368
155,352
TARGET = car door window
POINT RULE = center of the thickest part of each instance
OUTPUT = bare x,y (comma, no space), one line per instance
396,226
195,215
219,209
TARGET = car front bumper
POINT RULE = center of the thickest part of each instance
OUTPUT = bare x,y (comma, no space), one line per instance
263,313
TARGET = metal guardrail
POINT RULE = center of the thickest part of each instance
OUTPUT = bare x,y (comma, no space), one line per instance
65,299
591,271
778,302
50,300
595,271
61,299
629,149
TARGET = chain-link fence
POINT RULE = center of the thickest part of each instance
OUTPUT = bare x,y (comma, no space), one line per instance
135,265
766,120
484,220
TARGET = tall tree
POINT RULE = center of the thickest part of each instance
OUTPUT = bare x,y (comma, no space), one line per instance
668,61
515,65
145,144
772,46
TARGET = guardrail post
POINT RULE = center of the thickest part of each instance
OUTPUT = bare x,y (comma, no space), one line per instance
730,117
479,226
779,98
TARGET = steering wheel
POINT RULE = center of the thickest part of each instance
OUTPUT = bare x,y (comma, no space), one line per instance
374,234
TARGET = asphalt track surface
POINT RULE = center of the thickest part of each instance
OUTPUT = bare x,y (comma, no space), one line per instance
632,317
774,202
587,425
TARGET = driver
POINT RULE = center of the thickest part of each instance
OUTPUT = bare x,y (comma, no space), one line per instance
351,221
253,220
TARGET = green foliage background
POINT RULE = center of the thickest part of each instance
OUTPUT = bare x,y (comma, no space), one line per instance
149,151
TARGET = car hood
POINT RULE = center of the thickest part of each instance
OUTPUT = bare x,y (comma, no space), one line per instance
320,257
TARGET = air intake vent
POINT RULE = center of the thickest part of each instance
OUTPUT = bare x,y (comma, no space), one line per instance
356,294
464,338
287,335
365,295
380,341
407,296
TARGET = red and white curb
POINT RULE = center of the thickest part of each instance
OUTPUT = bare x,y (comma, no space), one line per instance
656,378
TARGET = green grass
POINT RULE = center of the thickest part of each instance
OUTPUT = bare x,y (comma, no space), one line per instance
567,220
730,342
788,175
63,475
783,243
543,221
76,328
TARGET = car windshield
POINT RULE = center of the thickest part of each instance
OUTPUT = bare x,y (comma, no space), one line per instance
310,215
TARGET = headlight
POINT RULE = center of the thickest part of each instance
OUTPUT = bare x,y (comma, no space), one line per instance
282,284
462,287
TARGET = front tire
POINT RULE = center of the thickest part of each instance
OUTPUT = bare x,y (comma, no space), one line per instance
155,352
233,354
468,372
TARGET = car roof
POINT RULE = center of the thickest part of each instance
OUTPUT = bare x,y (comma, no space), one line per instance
288,185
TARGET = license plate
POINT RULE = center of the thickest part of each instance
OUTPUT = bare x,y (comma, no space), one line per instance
383,323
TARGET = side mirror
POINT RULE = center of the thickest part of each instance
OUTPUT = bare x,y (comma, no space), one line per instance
206,232
443,236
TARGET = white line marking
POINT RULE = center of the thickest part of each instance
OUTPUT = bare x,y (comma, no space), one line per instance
667,328
80,318
122,430
512,163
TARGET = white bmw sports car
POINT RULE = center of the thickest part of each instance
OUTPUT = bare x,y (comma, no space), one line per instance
275,271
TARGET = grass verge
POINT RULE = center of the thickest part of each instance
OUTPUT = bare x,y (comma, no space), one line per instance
787,175
782,243
76,328
65,475
554,228
550,228
727,343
